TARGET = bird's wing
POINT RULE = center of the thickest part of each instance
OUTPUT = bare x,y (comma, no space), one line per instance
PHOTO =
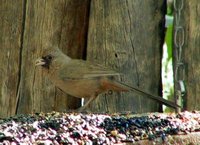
80,69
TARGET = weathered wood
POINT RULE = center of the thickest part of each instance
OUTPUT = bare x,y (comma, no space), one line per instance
49,22
11,17
190,20
128,37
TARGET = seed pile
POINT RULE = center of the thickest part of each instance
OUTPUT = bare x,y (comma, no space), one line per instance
71,128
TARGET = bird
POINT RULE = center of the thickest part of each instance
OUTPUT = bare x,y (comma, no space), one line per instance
82,78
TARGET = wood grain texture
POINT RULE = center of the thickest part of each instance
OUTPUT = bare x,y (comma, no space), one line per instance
11,17
128,36
49,22
190,20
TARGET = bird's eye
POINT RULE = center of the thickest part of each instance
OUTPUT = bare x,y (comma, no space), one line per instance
49,57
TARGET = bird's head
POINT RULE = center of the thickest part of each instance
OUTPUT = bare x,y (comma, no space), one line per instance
51,57
45,61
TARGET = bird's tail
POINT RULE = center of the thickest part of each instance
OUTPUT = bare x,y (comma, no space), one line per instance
119,86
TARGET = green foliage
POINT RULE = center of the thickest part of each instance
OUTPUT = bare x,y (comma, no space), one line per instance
168,40
167,70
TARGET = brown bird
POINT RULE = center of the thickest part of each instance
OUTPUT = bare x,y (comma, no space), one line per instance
83,79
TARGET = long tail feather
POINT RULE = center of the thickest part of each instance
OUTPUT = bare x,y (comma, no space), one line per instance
119,86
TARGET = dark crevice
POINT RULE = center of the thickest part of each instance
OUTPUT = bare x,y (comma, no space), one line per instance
20,55
163,11
33,82
86,28
84,56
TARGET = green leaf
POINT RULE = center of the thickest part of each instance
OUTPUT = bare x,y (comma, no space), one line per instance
168,40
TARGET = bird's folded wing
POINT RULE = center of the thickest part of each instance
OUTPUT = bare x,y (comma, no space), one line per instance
80,69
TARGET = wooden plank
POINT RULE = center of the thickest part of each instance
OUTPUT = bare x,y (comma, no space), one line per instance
11,19
128,36
50,22
190,21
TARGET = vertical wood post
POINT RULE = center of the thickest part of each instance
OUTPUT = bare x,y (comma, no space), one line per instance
190,20
11,19
128,36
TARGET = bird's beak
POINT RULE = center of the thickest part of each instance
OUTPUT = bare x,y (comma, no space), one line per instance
40,61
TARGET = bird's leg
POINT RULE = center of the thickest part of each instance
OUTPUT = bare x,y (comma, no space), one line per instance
87,103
